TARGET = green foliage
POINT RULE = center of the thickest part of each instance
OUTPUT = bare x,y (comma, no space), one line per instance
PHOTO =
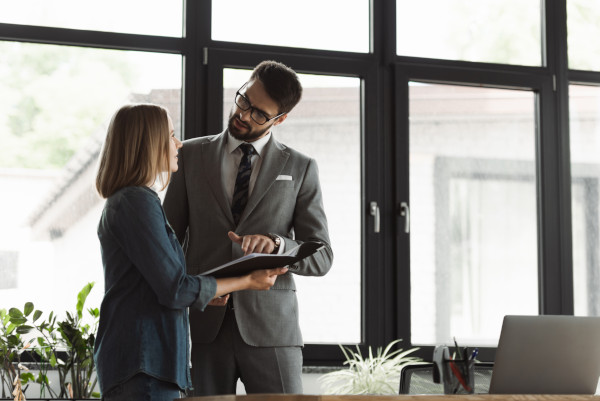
66,345
375,375
54,98
81,297
13,342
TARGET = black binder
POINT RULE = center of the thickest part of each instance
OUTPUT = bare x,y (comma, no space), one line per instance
256,261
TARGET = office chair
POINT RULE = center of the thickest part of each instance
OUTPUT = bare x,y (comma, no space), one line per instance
418,379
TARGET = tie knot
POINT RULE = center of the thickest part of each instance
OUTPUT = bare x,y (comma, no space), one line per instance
247,149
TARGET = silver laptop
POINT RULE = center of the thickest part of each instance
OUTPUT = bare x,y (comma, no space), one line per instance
547,355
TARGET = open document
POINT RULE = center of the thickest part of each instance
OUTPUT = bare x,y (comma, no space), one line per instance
255,261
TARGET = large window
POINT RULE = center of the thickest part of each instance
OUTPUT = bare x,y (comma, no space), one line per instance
473,158
495,31
331,25
56,105
585,190
150,17
583,24
473,211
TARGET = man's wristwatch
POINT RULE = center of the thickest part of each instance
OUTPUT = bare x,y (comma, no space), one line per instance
277,240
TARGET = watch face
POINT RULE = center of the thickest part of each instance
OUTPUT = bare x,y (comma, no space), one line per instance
276,240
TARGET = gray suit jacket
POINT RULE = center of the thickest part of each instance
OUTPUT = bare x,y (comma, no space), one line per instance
197,207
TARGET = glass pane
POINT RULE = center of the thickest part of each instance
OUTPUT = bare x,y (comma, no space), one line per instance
328,115
583,23
473,211
149,17
495,31
584,102
312,24
54,111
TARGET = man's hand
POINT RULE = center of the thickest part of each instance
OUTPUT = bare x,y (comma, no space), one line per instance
255,243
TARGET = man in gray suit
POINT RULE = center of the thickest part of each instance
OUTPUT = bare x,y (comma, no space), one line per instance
229,199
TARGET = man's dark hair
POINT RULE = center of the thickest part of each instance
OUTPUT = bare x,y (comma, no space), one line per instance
280,82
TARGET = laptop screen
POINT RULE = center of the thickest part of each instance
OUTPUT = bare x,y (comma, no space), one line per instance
547,355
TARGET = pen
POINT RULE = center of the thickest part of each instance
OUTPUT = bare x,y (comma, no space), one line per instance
456,351
474,354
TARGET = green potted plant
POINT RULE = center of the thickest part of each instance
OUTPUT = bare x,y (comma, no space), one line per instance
76,371
66,345
376,374
13,328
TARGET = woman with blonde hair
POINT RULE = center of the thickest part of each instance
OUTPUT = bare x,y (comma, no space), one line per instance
142,348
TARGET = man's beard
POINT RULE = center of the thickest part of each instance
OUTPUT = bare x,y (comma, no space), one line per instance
247,136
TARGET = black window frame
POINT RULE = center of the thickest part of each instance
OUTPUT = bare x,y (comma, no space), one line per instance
385,275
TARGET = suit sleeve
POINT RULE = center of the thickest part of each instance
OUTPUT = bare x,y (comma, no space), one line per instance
175,204
310,224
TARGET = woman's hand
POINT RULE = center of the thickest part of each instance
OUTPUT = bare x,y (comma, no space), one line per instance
219,301
264,279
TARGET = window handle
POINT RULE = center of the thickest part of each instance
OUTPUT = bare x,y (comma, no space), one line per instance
375,214
405,212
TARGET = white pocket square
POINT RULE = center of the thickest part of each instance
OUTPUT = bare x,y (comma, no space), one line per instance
284,178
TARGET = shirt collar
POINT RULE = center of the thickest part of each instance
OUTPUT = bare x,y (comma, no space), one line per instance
259,144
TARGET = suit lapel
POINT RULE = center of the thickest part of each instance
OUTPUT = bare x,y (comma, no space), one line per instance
274,160
212,162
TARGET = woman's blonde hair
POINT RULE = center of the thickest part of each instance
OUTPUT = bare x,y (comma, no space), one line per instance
136,149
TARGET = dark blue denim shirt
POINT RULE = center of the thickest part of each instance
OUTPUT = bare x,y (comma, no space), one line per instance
144,314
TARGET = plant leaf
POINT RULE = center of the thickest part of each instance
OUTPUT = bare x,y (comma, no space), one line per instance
24,329
377,373
18,320
82,296
26,377
15,313
28,308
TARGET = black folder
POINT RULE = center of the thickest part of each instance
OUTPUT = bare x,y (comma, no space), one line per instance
255,261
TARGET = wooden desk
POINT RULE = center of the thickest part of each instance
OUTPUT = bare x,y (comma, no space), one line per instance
470,397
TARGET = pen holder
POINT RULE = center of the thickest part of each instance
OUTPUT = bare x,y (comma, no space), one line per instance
456,374
459,377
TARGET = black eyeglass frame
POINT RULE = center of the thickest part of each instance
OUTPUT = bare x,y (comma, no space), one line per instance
252,108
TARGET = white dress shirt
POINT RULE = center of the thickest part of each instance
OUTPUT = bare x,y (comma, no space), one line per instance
231,161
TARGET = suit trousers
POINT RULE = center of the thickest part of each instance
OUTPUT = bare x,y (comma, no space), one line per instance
217,366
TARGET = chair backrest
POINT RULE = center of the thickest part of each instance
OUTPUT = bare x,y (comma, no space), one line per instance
418,379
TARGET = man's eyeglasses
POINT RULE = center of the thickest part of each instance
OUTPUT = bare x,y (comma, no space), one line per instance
257,115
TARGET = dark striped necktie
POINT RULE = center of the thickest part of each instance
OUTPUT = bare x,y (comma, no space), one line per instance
240,193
